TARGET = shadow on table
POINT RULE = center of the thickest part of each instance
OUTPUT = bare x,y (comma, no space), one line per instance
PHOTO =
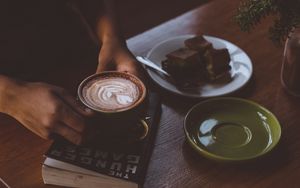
256,168
182,104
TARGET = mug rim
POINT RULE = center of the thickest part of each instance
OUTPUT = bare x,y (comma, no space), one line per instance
136,103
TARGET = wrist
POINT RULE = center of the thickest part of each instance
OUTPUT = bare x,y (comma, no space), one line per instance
8,94
113,39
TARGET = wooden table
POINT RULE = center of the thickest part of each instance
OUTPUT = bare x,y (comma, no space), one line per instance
174,163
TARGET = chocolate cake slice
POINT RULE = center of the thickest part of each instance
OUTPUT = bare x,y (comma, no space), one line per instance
198,43
217,63
197,63
183,63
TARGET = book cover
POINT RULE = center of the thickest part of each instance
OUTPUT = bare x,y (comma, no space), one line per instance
124,161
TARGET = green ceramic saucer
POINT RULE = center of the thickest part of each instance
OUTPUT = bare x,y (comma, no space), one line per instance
231,129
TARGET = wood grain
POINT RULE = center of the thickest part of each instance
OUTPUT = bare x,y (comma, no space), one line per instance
173,162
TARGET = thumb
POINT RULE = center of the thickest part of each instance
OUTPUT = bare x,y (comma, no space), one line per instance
73,103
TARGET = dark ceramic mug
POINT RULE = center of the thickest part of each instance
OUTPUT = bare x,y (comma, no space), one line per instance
116,122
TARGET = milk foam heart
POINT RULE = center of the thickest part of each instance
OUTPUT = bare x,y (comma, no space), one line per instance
111,93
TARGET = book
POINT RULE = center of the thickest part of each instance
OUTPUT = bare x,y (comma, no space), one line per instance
121,165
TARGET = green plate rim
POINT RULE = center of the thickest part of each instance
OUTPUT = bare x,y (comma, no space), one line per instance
210,155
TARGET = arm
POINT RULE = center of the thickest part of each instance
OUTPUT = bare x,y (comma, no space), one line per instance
107,26
101,21
114,52
42,108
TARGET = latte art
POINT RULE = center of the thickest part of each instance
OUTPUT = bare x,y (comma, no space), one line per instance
111,94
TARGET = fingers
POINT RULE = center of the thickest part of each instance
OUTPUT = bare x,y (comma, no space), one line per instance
71,123
132,67
68,122
72,119
73,103
68,133
126,62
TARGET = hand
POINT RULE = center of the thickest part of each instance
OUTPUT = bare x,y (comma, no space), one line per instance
47,109
116,56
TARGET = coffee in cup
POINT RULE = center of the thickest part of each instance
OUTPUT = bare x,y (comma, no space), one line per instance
116,97
112,92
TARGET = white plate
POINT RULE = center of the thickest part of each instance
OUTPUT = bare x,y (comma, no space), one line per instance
241,68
